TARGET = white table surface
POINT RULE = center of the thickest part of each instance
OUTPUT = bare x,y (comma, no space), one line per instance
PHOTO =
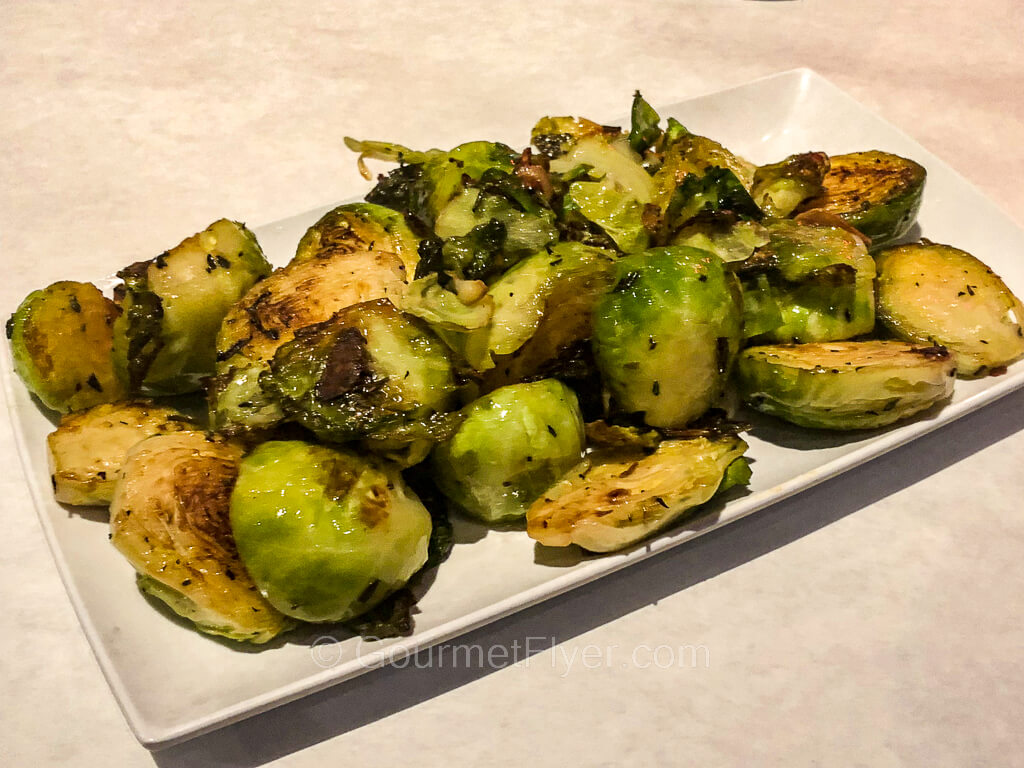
876,620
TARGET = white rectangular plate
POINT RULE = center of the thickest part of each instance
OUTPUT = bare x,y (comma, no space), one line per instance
173,683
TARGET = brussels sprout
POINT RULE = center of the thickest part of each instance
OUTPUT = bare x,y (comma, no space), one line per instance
693,155
513,444
780,187
61,342
427,183
718,193
540,307
623,493
611,161
326,535
426,299
528,226
169,518
174,304
666,335
360,227
877,192
845,385
369,371
268,316
937,294
614,210
727,237
808,284
554,136
88,449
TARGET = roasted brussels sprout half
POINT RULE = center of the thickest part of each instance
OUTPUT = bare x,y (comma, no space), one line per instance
359,227
622,493
808,284
173,305
88,449
554,136
666,335
877,192
697,156
370,371
728,237
845,385
539,307
61,342
325,534
297,296
170,519
780,187
427,181
512,445
937,294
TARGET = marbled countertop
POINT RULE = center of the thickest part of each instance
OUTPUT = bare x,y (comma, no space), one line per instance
876,620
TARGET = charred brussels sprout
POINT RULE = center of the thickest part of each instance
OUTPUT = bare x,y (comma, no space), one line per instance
877,192
88,449
666,335
268,316
174,304
62,343
170,519
808,284
622,494
554,136
937,294
359,227
540,306
780,187
513,444
370,371
427,181
845,385
325,534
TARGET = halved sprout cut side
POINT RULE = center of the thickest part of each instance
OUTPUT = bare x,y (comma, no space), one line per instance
616,498
845,385
87,451
937,294
170,519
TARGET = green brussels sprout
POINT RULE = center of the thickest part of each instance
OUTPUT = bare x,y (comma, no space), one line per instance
631,487
845,385
610,160
174,304
325,534
88,448
780,187
559,283
427,181
937,294
62,344
369,371
512,445
554,136
613,209
169,518
443,309
666,335
716,194
360,227
877,192
693,155
268,316
808,284
727,237
527,226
